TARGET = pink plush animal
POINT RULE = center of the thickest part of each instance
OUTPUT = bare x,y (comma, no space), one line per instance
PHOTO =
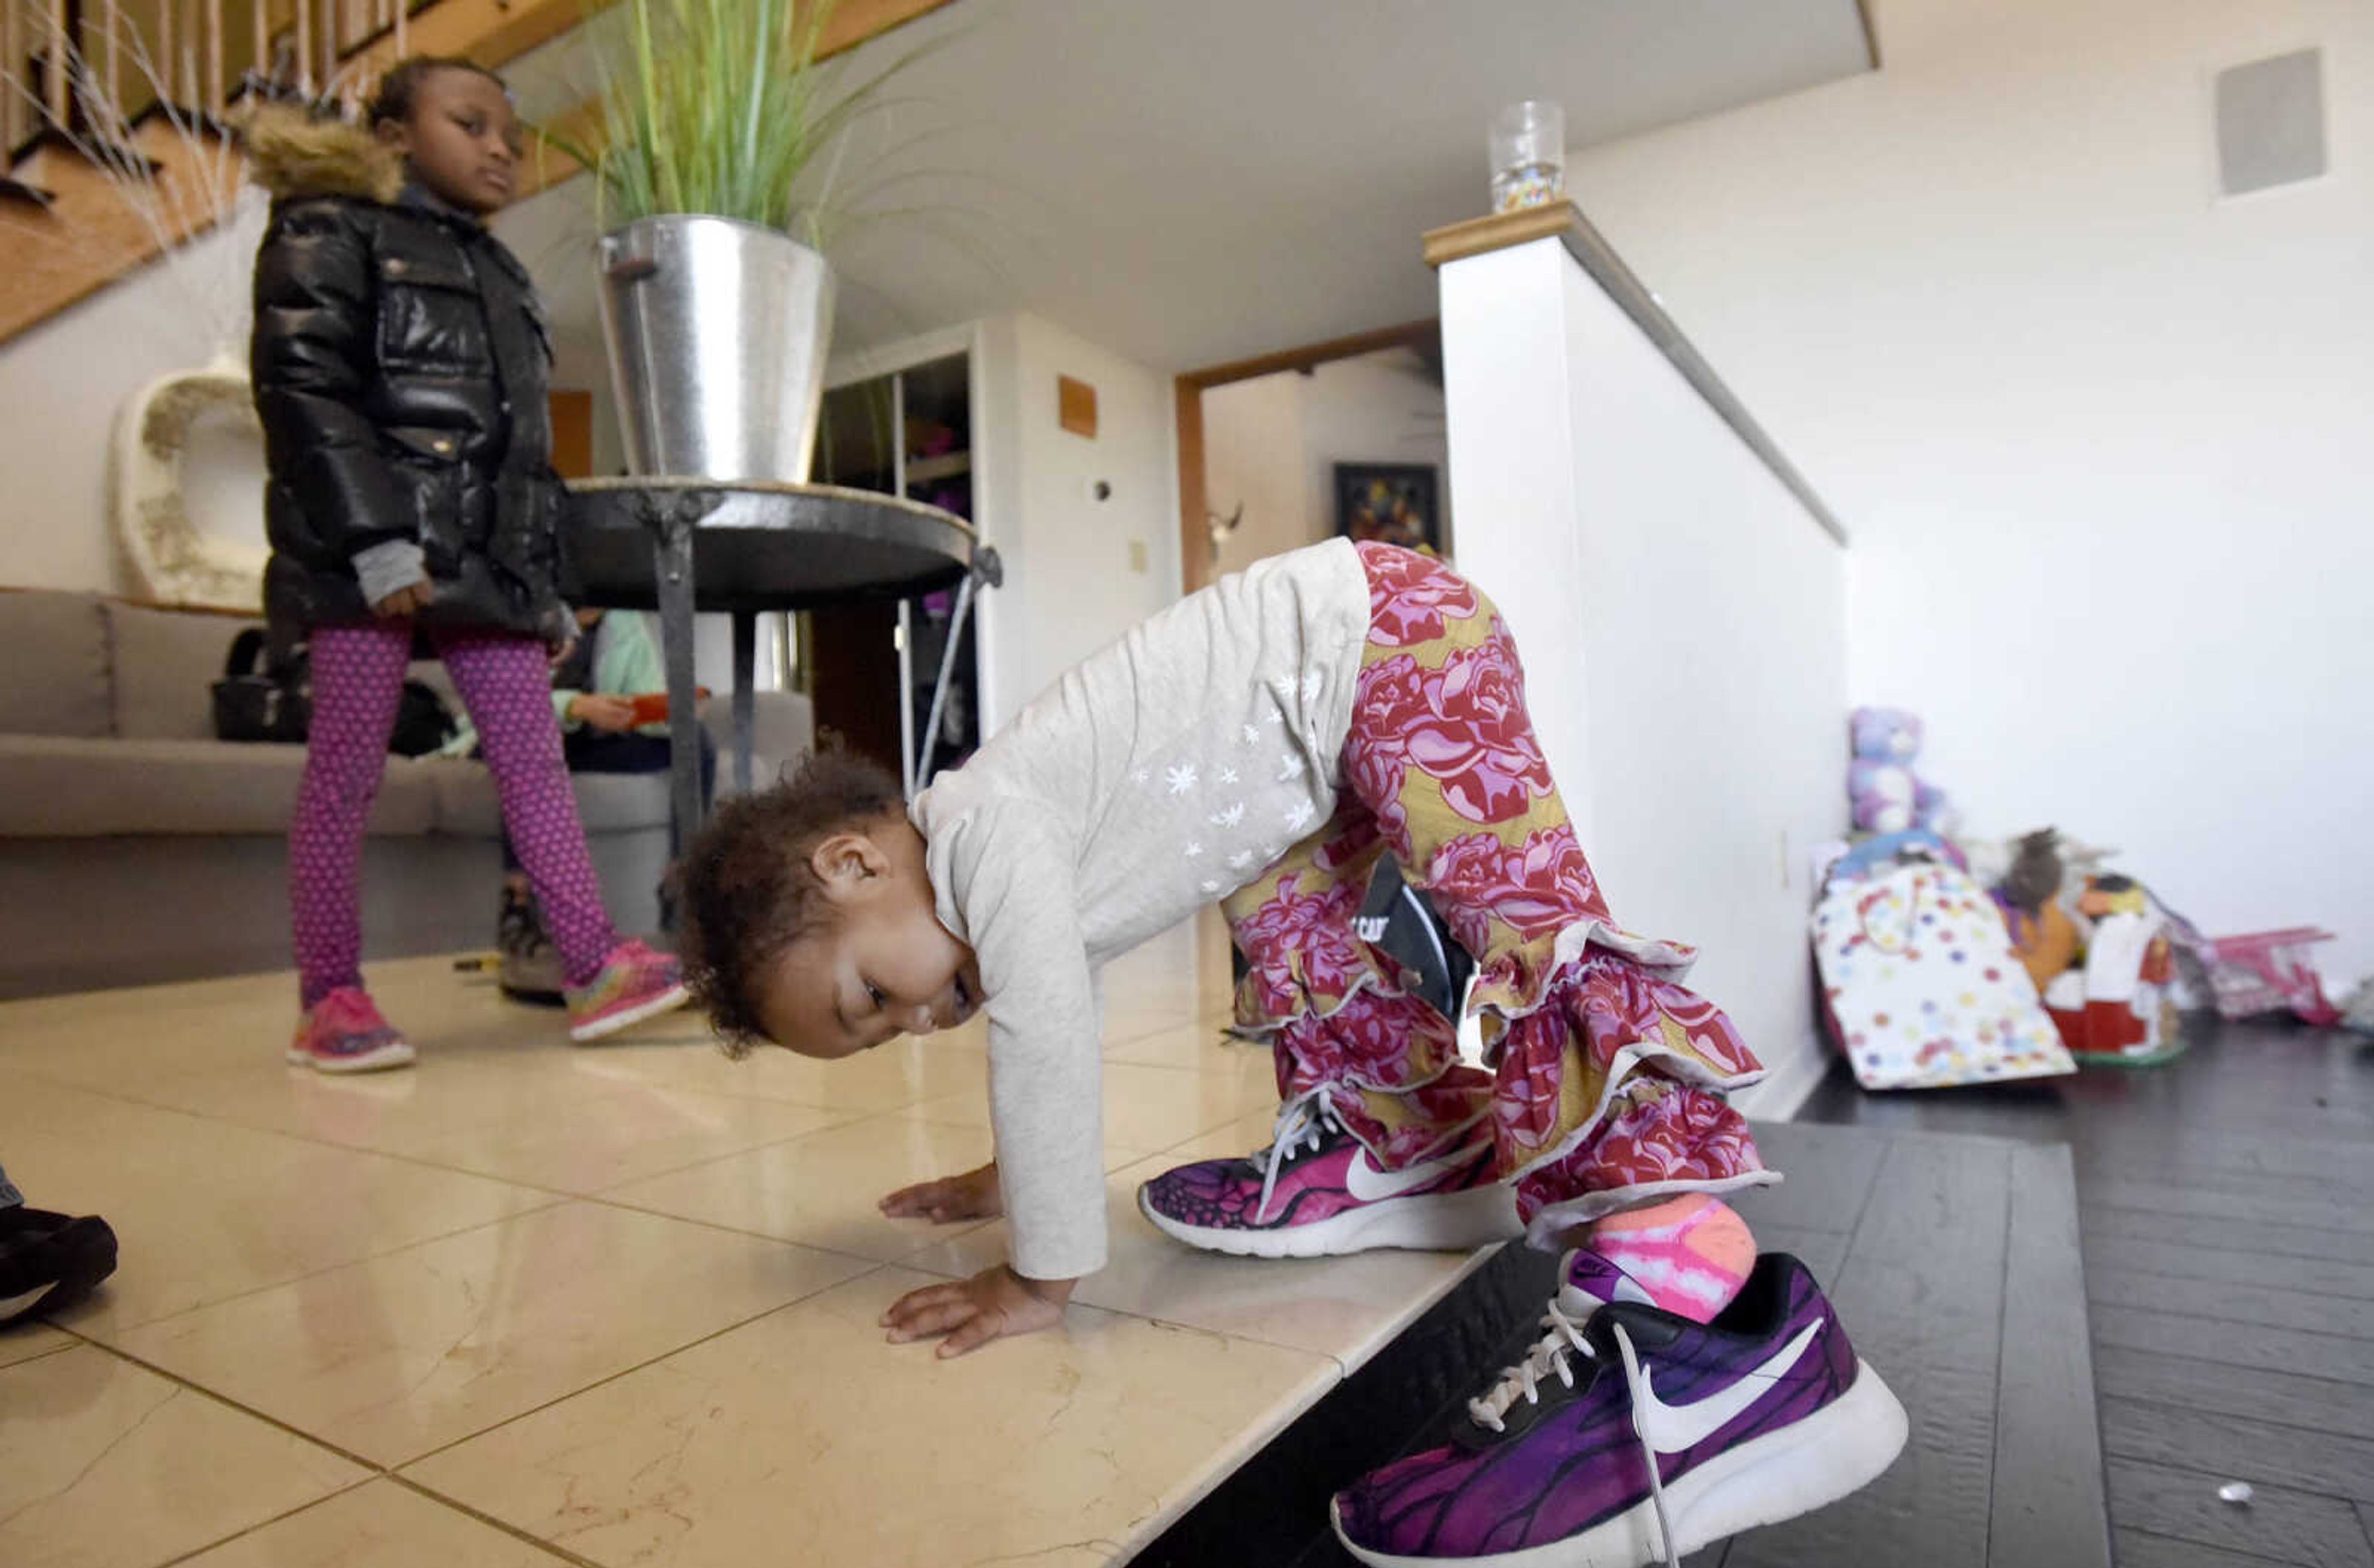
1888,797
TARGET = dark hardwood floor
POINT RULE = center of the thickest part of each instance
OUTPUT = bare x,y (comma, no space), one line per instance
2228,1243
1952,1260
2220,1208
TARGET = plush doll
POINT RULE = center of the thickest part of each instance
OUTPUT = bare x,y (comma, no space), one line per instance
2119,1006
1888,796
2041,932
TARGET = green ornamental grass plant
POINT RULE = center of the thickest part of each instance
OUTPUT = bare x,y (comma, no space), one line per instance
723,107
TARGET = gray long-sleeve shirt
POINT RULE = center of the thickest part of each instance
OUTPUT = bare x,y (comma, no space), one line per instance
1156,777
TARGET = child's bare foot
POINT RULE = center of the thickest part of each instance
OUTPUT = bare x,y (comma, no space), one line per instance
972,1196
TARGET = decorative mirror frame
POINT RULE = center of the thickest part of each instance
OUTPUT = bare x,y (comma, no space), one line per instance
167,559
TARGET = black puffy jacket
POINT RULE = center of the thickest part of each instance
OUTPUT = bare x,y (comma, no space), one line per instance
400,361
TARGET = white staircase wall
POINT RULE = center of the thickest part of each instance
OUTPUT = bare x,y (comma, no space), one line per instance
65,379
1682,619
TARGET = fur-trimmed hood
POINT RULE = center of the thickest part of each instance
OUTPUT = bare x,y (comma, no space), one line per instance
291,155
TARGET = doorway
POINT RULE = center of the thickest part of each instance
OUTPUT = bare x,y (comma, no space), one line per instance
1278,452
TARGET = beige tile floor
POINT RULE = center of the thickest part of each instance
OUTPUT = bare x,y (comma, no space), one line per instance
524,1304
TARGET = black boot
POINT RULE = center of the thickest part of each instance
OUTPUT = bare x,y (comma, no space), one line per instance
50,1260
529,969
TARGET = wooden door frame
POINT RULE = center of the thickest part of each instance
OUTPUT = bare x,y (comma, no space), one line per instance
1195,538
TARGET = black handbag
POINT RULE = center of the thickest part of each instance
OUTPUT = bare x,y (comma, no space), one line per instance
421,722
275,703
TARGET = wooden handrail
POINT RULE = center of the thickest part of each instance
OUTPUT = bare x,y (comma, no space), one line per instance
1564,222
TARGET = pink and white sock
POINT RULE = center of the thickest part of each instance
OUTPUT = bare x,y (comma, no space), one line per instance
1688,1254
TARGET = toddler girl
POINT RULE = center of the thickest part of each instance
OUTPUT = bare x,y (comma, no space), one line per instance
400,363
1264,743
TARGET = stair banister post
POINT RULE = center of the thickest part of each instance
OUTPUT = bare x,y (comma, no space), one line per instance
10,50
57,85
111,20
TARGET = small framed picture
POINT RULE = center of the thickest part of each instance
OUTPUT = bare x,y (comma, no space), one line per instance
1393,502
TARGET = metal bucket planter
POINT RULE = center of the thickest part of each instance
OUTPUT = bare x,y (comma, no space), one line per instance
718,332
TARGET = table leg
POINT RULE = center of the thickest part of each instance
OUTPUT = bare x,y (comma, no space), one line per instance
947,669
746,662
907,696
672,556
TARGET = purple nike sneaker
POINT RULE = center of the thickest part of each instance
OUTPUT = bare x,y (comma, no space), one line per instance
1628,1435
1315,1191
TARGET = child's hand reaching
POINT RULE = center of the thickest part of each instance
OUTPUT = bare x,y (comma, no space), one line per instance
995,1304
972,1196
597,710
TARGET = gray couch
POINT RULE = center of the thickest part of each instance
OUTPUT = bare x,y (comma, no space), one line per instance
135,848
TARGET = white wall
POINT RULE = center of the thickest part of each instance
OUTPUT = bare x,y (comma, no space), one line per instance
1272,442
1715,660
1373,408
63,381
1071,585
2100,436
1254,458
1682,622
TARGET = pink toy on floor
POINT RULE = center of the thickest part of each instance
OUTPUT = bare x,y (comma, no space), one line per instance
2266,971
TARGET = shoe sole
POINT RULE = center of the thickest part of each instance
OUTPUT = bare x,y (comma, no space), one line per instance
1452,1222
611,1023
1834,1453
397,1054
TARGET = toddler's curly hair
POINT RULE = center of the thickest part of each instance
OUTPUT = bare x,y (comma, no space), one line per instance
749,890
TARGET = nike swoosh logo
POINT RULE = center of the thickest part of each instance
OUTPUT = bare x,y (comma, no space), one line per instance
1364,1181
1670,1429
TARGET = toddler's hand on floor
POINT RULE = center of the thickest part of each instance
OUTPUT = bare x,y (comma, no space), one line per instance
995,1304
972,1196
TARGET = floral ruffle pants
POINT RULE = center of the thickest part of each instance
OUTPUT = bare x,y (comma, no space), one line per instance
1604,1077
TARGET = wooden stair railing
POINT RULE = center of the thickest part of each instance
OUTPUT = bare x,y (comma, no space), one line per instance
87,86
153,79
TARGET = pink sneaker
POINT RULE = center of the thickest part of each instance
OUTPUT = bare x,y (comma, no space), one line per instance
635,982
1316,1192
343,1033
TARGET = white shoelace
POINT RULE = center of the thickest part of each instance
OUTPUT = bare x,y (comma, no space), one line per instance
1302,1122
1553,1352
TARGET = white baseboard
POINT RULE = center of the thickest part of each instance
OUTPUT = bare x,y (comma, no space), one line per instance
1787,1085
